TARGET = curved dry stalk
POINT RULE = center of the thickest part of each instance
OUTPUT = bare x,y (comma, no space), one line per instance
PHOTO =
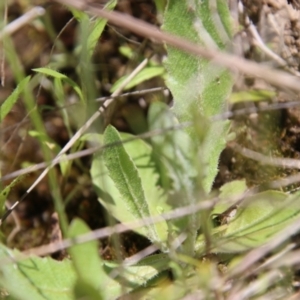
21,21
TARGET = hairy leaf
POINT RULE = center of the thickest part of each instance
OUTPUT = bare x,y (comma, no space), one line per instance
174,149
175,154
126,181
199,87
230,193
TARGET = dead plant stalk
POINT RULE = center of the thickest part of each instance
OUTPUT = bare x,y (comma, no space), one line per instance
229,61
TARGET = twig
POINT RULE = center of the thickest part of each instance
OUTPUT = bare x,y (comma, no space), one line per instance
122,227
280,183
255,287
232,62
101,99
148,134
258,253
257,41
106,105
279,259
273,161
134,93
23,20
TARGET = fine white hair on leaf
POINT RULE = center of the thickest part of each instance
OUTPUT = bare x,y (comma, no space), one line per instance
217,21
191,5
204,36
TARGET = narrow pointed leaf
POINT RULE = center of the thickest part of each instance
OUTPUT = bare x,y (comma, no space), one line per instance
126,178
117,198
98,27
7,105
60,76
4,193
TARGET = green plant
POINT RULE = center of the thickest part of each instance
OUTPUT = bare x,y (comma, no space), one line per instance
180,173
145,180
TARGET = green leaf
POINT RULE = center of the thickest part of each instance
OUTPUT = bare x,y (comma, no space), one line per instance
126,177
126,51
57,75
95,27
78,14
89,266
210,150
254,95
189,285
7,105
145,74
98,27
93,272
174,149
36,278
176,155
233,189
229,194
195,81
160,5
126,181
4,193
199,87
139,274
256,220
85,256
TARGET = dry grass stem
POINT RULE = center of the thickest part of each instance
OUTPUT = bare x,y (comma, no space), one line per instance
26,18
232,62
223,116
120,228
258,253
273,161
60,156
257,41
